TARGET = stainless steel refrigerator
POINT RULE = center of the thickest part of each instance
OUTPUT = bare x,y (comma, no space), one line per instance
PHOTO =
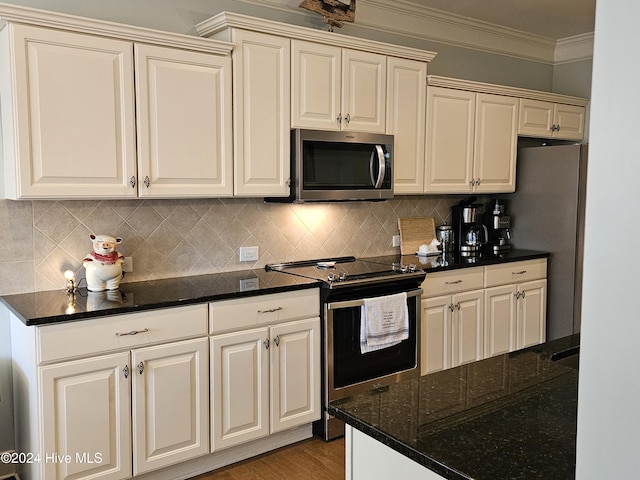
548,214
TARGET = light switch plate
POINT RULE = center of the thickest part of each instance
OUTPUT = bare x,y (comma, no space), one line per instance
127,266
249,254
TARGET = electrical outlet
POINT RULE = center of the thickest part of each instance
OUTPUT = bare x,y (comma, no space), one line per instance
395,241
248,254
127,266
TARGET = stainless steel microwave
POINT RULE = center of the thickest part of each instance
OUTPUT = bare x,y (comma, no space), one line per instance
341,166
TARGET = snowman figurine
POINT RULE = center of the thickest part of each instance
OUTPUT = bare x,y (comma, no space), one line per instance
103,266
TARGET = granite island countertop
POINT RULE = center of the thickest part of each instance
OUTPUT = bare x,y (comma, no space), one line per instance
512,416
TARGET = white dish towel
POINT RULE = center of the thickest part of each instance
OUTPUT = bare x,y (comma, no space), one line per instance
384,322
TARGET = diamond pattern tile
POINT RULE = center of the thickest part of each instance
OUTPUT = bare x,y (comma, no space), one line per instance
169,238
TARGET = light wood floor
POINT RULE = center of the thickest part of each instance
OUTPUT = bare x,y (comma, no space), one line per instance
312,459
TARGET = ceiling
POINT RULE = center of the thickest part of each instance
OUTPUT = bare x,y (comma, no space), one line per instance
548,18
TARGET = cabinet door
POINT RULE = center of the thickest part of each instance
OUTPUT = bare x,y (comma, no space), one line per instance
170,404
86,414
535,118
468,327
315,89
450,137
73,115
532,313
295,374
406,106
496,141
435,342
239,387
364,80
570,122
184,116
500,320
262,113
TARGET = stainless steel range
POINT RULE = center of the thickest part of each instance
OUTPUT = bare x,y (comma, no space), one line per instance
347,369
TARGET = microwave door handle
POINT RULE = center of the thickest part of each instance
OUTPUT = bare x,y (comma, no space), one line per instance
378,153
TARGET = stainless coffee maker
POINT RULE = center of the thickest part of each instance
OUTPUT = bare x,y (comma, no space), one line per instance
471,234
498,227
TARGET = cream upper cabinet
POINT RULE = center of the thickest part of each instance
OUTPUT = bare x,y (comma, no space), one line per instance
261,95
364,80
184,119
77,125
450,140
406,107
471,142
551,120
316,85
68,114
337,88
496,143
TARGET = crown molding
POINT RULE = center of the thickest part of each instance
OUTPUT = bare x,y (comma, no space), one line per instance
574,49
469,85
406,19
44,18
225,20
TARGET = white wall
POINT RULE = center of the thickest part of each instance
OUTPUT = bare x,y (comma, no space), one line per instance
609,390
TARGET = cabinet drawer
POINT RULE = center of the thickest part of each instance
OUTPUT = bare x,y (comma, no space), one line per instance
515,272
453,281
263,309
94,336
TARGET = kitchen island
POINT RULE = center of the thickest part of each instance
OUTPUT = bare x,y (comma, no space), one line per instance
512,416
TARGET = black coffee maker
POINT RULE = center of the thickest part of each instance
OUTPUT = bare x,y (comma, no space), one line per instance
498,227
471,234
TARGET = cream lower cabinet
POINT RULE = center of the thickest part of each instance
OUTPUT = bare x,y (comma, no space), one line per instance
265,379
488,311
551,120
471,142
87,416
452,319
515,302
452,330
170,403
129,394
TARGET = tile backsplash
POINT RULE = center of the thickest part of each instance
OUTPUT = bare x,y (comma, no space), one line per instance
169,238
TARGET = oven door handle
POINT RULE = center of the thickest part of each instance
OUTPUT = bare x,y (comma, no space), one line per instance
360,302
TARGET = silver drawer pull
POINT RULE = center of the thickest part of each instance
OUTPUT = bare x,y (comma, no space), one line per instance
521,272
455,282
271,310
132,332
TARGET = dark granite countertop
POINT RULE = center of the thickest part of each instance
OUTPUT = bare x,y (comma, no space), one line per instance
437,263
41,308
512,416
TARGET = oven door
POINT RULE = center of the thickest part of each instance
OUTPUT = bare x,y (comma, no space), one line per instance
348,370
